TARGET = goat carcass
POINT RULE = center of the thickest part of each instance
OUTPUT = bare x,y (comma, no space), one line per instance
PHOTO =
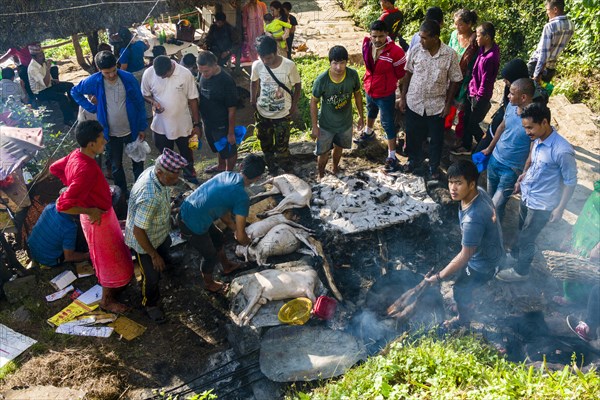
273,284
296,193
281,240
259,229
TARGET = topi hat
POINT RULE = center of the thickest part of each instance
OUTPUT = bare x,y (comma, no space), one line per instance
171,161
34,49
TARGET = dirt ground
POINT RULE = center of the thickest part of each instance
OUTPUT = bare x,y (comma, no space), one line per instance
194,339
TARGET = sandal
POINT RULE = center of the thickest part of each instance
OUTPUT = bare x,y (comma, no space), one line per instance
156,314
213,169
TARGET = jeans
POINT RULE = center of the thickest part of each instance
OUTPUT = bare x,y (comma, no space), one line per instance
417,129
531,223
386,106
500,184
161,142
467,280
150,276
593,311
475,112
114,150
61,93
547,73
208,245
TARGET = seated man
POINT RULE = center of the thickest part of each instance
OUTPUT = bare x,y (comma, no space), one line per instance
53,238
48,88
219,198
482,249
221,38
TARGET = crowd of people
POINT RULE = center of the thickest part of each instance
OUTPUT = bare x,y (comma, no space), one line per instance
435,86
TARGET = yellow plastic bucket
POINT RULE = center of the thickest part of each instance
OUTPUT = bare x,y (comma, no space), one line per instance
295,312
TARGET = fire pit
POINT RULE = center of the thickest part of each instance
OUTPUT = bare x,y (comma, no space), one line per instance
371,200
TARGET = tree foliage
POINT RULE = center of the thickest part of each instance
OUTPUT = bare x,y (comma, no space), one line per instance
518,29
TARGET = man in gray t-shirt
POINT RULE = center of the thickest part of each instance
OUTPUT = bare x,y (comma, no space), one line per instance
482,249
119,107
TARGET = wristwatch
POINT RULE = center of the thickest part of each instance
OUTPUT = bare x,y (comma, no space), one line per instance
198,124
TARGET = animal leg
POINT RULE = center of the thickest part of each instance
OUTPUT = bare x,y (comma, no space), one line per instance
255,309
251,303
297,225
308,244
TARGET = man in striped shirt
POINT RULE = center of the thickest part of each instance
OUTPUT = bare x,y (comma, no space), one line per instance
555,37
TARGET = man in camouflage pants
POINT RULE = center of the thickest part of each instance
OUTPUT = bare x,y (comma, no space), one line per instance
274,92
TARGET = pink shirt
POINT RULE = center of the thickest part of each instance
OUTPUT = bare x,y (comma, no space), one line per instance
87,186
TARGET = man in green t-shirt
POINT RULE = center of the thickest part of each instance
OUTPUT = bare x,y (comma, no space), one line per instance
332,126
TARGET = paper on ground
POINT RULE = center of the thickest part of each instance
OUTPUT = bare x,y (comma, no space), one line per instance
127,328
71,311
63,280
91,296
84,269
84,327
12,344
60,294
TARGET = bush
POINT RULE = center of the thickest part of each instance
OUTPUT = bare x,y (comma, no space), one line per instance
518,26
454,368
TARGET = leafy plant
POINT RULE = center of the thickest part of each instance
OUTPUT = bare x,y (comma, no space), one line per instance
456,367
65,51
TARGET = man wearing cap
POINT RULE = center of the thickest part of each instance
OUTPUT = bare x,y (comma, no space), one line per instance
47,88
222,197
171,90
218,101
148,225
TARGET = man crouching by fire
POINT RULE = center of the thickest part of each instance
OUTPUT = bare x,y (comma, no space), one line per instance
482,249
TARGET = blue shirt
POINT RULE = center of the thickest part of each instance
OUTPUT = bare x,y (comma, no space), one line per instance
53,233
133,56
222,194
134,101
513,146
552,166
481,228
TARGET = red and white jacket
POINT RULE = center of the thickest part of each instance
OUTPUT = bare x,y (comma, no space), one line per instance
382,75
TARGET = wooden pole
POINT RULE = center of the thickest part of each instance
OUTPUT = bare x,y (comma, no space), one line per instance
79,53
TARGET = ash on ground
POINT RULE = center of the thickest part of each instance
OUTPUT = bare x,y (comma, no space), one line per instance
370,200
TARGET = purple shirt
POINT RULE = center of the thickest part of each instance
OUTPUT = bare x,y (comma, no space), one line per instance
485,72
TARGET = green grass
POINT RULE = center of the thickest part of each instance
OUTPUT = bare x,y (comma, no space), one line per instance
453,368
8,369
66,51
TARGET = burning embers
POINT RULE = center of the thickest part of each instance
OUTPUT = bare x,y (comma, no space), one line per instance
371,200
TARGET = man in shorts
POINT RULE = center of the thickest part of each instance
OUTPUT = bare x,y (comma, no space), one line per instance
218,100
275,91
332,126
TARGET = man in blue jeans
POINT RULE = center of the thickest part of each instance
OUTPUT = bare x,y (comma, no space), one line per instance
384,63
120,109
432,78
510,146
546,185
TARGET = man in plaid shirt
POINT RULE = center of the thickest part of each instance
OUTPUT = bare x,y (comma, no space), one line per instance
555,37
148,225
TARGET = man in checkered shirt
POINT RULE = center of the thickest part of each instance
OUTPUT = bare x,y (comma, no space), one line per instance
555,37
148,225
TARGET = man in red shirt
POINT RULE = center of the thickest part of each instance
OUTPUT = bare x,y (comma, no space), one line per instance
384,62
393,20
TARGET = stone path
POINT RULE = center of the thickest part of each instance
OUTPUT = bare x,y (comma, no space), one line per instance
323,24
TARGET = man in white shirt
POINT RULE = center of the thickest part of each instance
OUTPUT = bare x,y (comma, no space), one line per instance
171,90
275,101
45,88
